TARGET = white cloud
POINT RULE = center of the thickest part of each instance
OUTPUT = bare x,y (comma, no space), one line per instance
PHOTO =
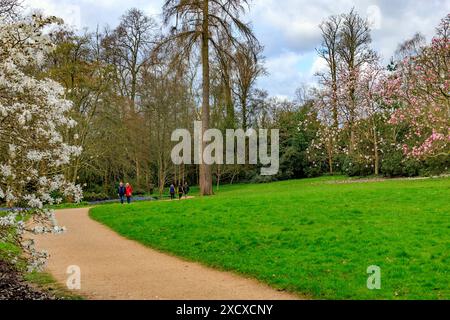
319,65
285,74
375,17
152,9
287,28
292,26
90,13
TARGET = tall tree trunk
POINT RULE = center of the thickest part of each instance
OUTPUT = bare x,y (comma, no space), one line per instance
352,140
175,178
330,155
335,104
138,172
230,106
76,168
161,177
244,113
375,148
219,174
105,182
183,177
205,170
352,120
147,182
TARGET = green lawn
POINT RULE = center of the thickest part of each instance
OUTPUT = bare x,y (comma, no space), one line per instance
46,282
312,237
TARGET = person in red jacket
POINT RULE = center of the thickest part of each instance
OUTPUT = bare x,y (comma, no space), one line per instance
128,192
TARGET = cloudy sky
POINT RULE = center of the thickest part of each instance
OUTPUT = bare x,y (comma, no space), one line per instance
287,28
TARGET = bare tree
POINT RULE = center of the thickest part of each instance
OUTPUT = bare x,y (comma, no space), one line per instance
411,47
327,101
226,64
329,52
248,68
128,48
131,41
167,105
354,50
303,94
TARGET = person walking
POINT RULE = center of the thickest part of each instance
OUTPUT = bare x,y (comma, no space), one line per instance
128,193
186,190
121,192
172,192
180,192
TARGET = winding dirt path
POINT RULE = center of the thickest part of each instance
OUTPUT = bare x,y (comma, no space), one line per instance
113,267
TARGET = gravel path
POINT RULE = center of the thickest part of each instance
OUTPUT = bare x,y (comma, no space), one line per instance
113,267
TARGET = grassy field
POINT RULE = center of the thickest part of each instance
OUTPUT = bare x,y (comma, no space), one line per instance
45,281
314,237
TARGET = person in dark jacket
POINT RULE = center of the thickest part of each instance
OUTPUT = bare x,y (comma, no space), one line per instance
186,189
180,192
121,192
172,192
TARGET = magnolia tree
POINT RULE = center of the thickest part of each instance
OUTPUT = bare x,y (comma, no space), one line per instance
33,154
421,87
371,115
346,101
360,123
324,147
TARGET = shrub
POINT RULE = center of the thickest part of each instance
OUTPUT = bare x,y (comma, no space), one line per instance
394,164
355,168
139,192
263,179
92,196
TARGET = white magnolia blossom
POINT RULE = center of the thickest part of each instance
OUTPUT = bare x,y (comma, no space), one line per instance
6,171
33,116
